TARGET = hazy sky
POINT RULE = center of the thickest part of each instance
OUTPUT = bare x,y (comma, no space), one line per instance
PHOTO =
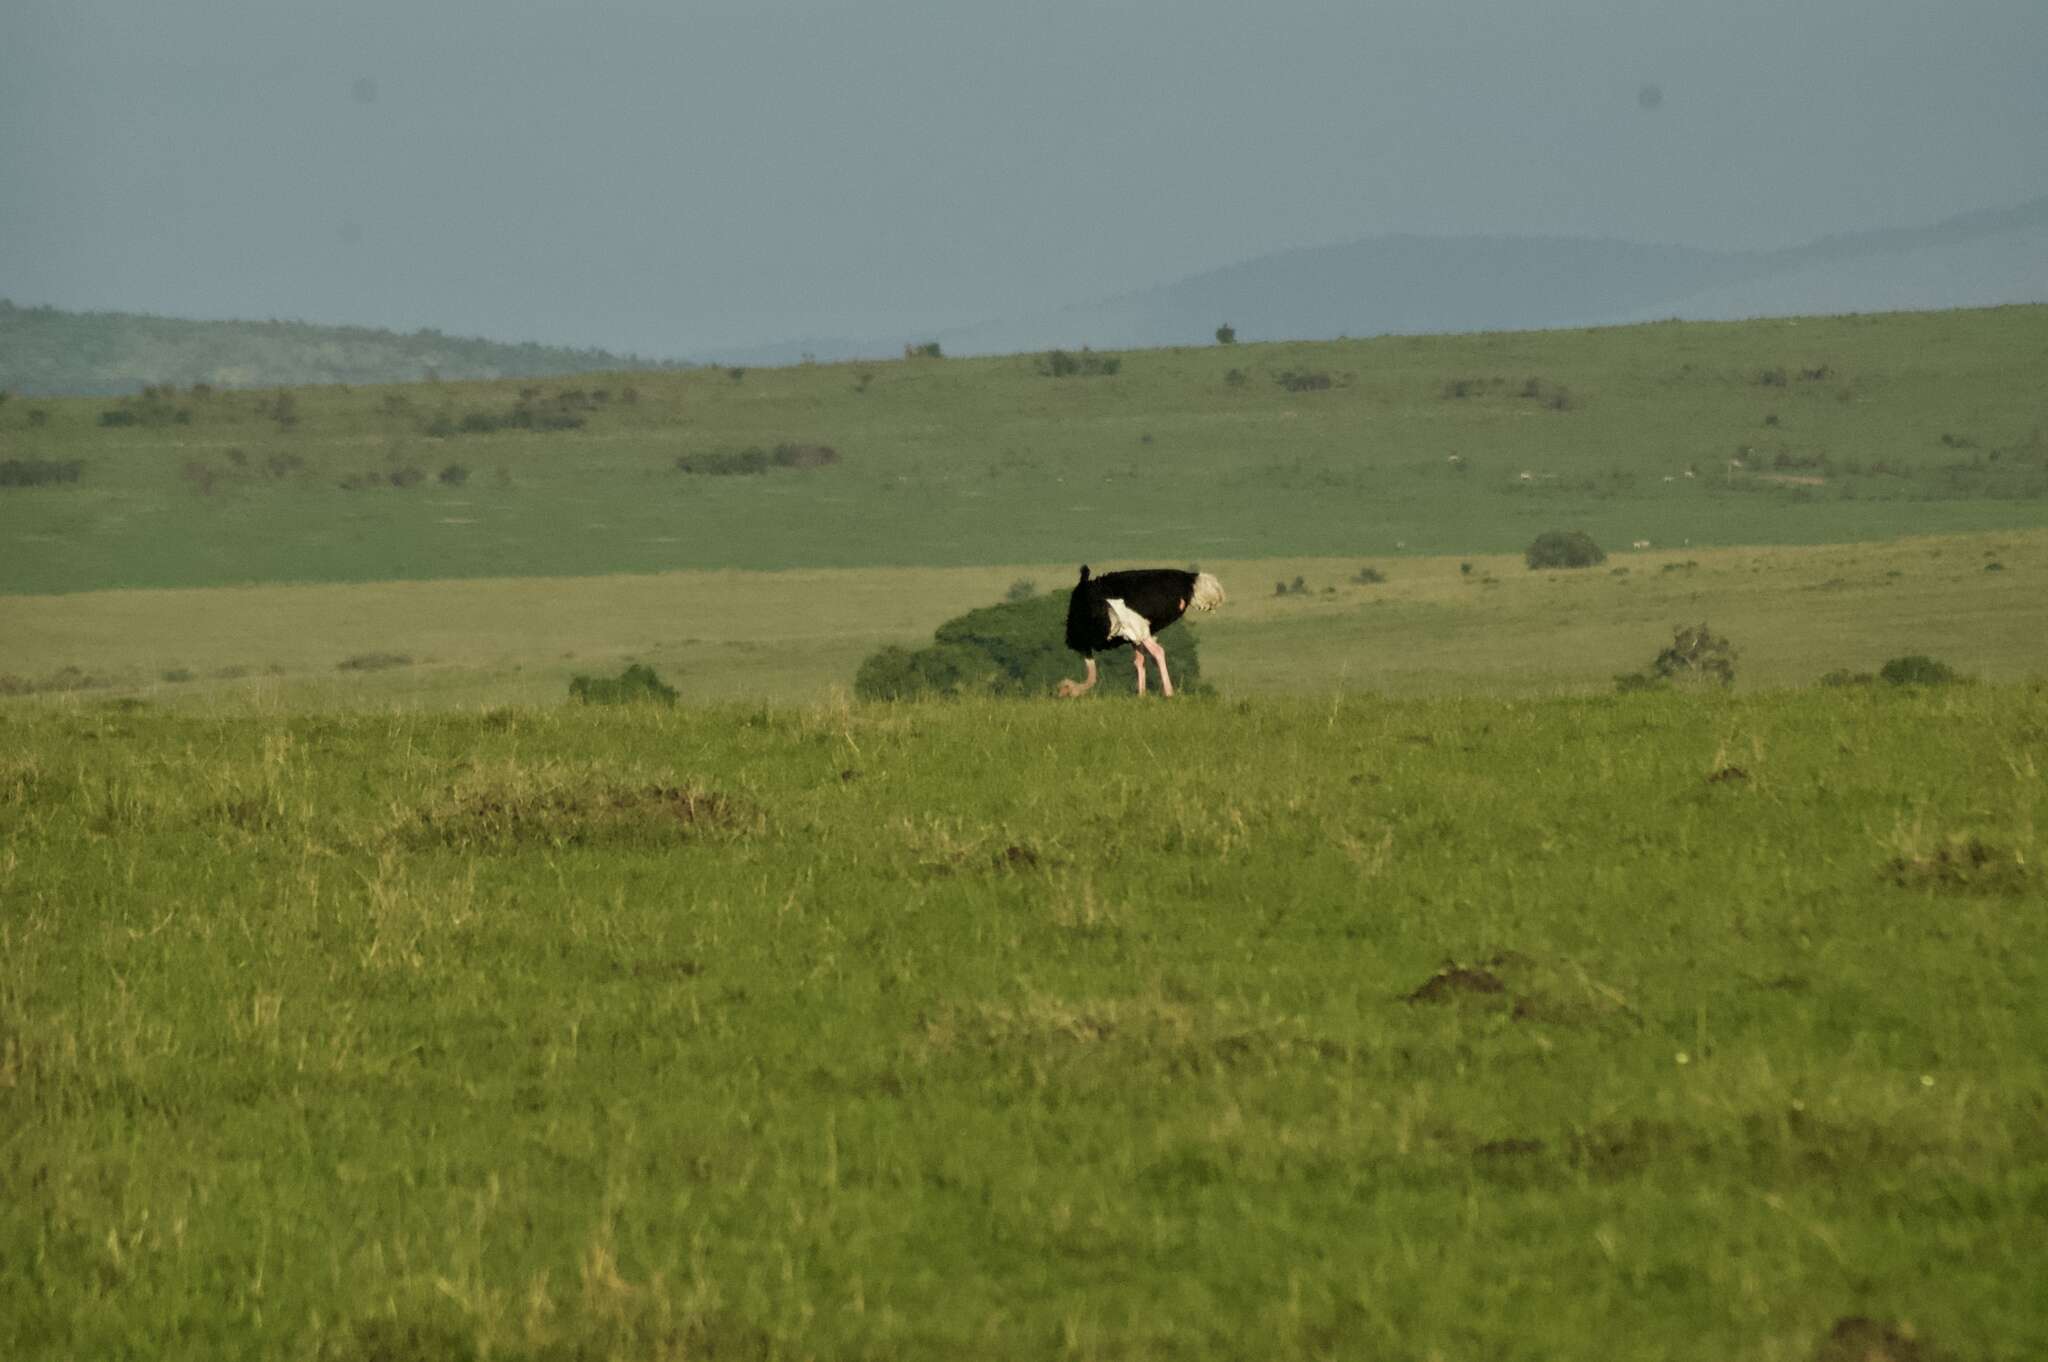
670,178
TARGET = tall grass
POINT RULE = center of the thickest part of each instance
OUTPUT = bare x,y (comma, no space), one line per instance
1650,1026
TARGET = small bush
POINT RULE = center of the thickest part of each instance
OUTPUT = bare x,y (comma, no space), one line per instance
1226,334
1917,669
1698,656
1369,576
1235,378
1552,395
803,456
38,472
1016,648
406,477
1564,549
725,463
754,459
454,475
373,662
635,685
926,350
1304,382
1086,364
153,408
1023,589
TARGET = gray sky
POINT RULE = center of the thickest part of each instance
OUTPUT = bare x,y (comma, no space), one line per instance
672,178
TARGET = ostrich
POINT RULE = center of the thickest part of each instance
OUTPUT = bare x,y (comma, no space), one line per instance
1129,607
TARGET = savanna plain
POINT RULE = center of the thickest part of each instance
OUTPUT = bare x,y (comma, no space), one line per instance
1412,991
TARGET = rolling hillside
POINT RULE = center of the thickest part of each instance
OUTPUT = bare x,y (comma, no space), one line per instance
45,350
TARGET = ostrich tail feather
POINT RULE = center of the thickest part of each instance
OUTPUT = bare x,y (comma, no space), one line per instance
1208,592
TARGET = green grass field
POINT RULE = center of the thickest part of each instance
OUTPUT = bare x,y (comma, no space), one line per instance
993,1030
1848,429
1412,995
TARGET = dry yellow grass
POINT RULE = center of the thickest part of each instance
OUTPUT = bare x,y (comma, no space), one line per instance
1793,613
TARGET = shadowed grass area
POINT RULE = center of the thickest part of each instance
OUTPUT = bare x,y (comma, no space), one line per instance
1266,1027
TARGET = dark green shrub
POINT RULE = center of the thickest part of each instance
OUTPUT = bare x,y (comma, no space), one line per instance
1917,669
1369,576
1226,334
1303,382
636,684
454,475
373,662
1564,549
38,472
1067,364
1697,656
803,456
725,462
1017,648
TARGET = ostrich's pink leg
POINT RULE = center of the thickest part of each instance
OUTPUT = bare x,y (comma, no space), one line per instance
1138,661
1159,656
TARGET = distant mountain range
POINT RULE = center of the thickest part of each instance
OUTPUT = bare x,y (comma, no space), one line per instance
1413,284
44,350
1405,285
1378,286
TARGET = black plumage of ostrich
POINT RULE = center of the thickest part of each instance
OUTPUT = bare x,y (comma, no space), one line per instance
1120,608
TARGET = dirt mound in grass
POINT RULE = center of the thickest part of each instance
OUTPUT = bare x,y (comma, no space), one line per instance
1450,981
1856,1339
1526,989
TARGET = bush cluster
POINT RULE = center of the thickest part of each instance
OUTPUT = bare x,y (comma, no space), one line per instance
754,459
532,412
1017,648
155,407
637,684
1696,657
1564,549
38,472
1303,382
1086,364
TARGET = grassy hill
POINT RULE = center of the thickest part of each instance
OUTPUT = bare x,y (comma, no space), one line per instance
46,351
1807,431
